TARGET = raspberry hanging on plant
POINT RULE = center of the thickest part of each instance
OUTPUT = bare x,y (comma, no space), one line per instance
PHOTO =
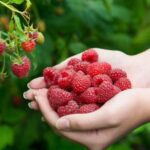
20,39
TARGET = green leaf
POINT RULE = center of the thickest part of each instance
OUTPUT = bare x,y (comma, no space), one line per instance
77,47
16,1
18,23
11,26
7,136
28,4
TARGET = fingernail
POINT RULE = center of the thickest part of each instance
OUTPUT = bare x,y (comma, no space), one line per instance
25,95
28,85
30,105
63,124
36,98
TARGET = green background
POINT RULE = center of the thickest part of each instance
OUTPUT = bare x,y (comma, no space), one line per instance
71,27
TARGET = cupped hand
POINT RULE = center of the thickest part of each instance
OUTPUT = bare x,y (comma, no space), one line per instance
99,129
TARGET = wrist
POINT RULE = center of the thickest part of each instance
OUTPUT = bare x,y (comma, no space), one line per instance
142,97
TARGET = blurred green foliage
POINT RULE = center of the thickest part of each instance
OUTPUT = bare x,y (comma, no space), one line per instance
71,26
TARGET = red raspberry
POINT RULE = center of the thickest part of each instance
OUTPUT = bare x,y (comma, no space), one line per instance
115,74
74,61
71,108
93,69
2,47
123,83
80,83
98,68
69,67
65,78
87,108
81,66
33,35
90,55
89,96
76,97
28,46
98,79
50,76
21,69
58,97
105,92
105,68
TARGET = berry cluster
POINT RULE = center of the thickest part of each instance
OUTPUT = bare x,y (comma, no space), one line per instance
84,85
21,65
17,40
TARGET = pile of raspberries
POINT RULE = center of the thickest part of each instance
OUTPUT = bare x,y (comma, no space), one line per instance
84,85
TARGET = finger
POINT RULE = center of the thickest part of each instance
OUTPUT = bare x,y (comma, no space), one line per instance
50,116
37,83
33,105
31,93
95,120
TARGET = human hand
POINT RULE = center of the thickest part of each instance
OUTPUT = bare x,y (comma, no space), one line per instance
116,59
101,128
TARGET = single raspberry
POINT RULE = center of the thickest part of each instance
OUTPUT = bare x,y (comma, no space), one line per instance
69,67
81,66
105,92
123,83
65,78
98,68
50,76
40,38
33,35
90,55
71,108
93,69
58,97
98,79
28,46
17,100
105,68
2,47
80,83
21,69
89,96
74,61
87,108
76,97
115,74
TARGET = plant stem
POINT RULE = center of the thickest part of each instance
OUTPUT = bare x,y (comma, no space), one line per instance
4,62
10,7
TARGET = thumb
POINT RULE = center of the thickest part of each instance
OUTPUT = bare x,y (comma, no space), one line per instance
88,121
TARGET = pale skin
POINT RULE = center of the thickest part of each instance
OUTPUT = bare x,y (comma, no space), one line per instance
124,112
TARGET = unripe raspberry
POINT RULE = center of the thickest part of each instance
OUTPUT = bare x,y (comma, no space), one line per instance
40,38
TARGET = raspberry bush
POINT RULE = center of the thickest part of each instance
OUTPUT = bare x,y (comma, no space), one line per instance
19,39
